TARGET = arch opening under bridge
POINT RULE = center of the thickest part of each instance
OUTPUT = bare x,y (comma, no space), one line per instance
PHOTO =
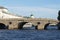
26,25
3,26
46,25
50,26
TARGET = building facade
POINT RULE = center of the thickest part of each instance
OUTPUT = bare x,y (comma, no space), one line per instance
4,13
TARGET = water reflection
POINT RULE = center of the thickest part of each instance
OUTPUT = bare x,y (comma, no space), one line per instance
52,27
29,28
29,35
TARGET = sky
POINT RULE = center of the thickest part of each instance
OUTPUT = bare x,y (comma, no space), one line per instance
39,8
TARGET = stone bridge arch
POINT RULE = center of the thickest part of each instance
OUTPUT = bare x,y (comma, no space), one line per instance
46,25
3,26
21,24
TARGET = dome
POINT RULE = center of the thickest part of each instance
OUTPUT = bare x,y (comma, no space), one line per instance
32,16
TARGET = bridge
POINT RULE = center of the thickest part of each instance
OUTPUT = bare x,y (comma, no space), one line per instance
9,21
39,23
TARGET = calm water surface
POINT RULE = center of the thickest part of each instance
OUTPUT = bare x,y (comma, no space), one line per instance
30,34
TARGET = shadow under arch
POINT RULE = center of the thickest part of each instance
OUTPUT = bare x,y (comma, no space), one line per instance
21,24
46,25
3,26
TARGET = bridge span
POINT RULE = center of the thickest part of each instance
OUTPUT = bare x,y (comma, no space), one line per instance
39,23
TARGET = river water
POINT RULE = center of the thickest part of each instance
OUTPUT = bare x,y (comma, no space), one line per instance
30,34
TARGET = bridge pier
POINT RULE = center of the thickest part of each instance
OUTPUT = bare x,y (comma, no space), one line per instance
40,27
43,26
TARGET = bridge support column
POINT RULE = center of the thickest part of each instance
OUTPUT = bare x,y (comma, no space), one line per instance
41,26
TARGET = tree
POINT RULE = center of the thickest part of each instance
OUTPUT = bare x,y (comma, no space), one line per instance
58,16
58,20
59,12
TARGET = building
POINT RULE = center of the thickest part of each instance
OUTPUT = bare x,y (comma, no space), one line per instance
32,16
4,13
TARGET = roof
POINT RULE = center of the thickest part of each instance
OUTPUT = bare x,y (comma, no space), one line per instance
1,7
